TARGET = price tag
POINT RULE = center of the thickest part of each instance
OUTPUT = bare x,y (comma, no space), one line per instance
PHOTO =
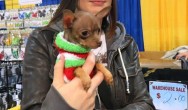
168,96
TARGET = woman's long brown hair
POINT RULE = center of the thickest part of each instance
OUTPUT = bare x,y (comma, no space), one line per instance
72,4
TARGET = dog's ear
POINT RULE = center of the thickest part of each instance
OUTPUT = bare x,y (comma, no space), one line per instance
68,17
103,12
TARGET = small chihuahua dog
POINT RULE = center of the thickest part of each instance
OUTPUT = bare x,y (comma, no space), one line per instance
84,29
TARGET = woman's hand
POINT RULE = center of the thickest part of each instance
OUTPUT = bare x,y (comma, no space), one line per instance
183,54
73,92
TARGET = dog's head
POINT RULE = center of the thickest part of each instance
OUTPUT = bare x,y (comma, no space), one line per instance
84,28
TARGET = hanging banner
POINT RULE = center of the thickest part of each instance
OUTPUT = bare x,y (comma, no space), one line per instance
168,96
27,2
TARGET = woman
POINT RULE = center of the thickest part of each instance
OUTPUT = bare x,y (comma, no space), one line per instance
129,91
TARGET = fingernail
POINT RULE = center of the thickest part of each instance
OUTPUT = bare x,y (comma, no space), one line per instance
62,57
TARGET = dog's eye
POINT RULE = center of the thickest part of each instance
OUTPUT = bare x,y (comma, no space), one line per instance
85,34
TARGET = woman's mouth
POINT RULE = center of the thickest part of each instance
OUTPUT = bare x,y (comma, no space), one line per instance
98,2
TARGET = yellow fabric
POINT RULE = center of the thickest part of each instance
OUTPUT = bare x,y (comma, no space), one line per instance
15,108
165,24
14,4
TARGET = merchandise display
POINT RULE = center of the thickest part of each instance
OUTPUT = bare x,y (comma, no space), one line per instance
15,28
26,18
16,25
10,84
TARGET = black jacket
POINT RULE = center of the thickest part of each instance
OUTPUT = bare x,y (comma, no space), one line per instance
39,60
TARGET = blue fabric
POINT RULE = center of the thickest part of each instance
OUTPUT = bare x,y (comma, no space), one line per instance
129,13
49,2
2,5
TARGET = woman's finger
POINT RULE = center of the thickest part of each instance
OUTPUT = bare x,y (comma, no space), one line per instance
58,71
96,81
89,64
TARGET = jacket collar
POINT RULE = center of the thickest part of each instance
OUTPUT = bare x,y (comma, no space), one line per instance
118,40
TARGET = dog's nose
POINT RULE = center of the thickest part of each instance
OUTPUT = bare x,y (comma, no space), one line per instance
99,43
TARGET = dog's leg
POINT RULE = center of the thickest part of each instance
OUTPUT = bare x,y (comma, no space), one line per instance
86,81
107,74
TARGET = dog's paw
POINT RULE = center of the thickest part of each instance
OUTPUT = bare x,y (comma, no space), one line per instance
84,77
109,79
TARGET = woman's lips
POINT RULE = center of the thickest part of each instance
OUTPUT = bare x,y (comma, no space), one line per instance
98,2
